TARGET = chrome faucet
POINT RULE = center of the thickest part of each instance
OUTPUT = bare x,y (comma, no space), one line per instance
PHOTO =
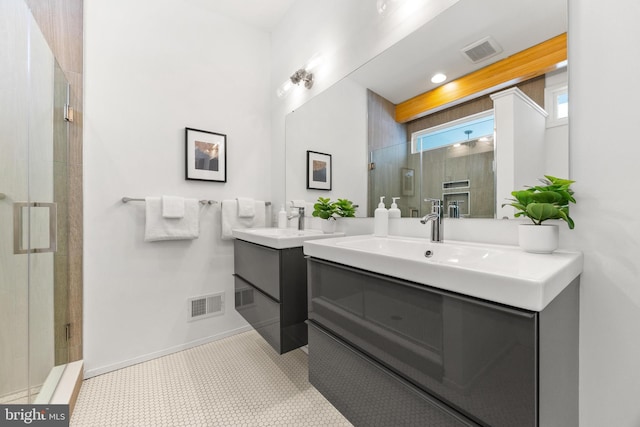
454,208
300,216
435,216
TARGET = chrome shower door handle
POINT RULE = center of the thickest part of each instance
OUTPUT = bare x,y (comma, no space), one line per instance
18,227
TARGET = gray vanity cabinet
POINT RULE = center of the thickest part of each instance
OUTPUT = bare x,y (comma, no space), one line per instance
386,351
271,293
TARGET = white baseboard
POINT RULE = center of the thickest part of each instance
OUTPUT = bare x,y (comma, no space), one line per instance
130,362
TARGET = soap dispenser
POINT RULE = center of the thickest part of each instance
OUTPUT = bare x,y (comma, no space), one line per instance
394,212
381,220
282,218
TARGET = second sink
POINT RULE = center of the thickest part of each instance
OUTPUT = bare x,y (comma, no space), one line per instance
280,238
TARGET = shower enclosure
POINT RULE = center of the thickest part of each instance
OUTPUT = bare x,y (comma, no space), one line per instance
33,211
462,175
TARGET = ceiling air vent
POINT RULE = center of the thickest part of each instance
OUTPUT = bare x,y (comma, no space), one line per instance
481,50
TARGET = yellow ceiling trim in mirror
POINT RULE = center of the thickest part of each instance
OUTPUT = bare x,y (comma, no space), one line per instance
524,65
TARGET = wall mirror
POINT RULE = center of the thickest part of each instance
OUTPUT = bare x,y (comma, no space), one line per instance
374,155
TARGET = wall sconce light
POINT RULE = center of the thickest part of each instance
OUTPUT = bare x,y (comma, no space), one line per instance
303,75
300,76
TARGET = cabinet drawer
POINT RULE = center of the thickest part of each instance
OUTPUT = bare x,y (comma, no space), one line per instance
260,311
479,358
367,394
259,266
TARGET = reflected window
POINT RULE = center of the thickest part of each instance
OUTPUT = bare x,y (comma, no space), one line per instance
468,128
557,105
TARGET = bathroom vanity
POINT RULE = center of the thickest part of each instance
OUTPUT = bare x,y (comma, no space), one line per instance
270,274
400,338
270,290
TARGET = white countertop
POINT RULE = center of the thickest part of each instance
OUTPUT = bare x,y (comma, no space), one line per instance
280,238
499,273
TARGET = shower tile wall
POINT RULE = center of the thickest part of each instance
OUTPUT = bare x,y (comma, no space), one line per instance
446,164
390,141
388,138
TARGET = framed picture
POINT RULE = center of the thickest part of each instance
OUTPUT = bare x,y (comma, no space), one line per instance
318,171
407,181
206,155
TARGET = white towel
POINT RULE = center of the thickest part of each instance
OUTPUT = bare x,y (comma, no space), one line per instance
231,220
159,228
246,207
299,203
172,207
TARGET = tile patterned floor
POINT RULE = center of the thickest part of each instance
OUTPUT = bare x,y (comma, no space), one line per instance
237,381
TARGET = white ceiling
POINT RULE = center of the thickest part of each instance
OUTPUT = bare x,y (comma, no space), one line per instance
262,14
404,70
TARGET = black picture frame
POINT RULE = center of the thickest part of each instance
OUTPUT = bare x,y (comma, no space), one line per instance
205,155
318,171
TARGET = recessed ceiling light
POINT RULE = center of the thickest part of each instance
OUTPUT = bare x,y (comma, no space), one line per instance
438,78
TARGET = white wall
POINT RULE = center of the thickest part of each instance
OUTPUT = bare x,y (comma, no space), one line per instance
520,142
334,122
604,153
152,69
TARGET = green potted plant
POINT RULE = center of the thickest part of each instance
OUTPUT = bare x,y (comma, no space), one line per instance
345,208
541,203
326,209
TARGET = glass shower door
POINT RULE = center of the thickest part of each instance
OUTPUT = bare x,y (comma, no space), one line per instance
33,151
14,186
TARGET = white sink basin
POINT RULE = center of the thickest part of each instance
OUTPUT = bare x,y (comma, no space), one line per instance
279,238
503,274
422,250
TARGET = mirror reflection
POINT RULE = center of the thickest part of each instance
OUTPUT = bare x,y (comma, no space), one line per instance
470,150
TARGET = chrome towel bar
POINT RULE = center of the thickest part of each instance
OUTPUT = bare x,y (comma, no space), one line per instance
131,199
203,202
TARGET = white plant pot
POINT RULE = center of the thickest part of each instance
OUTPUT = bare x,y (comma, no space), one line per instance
328,226
539,239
